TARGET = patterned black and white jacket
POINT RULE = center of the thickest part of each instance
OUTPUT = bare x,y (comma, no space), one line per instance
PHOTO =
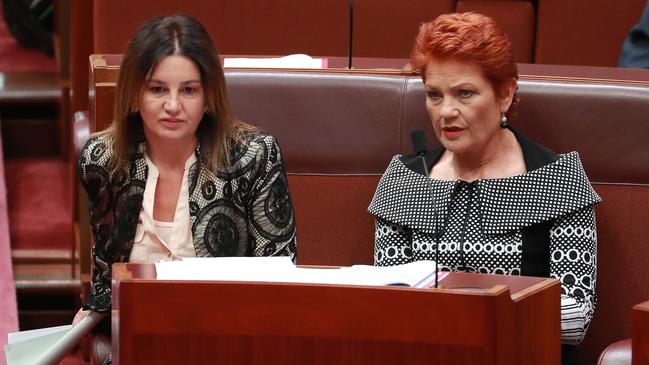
245,211
540,223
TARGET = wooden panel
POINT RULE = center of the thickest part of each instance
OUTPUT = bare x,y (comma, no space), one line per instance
271,323
515,18
640,340
336,205
387,28
584,32
315,27
622,256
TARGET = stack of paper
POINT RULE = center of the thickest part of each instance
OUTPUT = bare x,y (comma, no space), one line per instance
290,61
281,269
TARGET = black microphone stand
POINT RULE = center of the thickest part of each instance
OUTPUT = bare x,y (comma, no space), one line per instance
422,157
351,32
418,139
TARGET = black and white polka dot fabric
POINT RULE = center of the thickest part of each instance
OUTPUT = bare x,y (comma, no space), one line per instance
479,226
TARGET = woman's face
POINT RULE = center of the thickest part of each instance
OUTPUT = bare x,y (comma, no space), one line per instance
172,101
462,105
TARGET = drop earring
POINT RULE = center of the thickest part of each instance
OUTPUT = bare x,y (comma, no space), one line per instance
503,122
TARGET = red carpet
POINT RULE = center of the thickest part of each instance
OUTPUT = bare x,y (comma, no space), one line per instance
38,203
39,215
16,58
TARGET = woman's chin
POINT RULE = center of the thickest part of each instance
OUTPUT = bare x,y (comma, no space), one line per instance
455,146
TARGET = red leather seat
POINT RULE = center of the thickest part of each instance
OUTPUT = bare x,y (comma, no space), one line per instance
617,353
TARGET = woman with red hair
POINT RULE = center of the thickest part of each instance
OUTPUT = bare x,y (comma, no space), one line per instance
489,200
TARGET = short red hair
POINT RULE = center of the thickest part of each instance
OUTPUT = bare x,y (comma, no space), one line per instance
467,36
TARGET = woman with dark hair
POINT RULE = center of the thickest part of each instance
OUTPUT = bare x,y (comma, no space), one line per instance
177,174
490,200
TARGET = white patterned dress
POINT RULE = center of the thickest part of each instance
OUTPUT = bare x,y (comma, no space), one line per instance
540,223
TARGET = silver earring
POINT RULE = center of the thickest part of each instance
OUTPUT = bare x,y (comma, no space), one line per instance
503,122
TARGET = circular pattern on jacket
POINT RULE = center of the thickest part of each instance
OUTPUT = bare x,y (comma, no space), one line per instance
209,190
222,230
425,247
391,252
242,160
237,152
128,202
573,255
278,203
97,187
193,208
97,151
272,209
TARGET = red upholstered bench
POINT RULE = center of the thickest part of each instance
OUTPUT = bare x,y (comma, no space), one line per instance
617,353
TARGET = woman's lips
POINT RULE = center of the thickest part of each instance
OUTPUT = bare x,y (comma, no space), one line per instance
452,132
172,123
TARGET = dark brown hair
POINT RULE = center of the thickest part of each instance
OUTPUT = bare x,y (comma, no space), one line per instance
156,39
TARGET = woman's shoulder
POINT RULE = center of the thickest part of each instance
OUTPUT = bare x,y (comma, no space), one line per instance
255,143
251,150
407,197
256,139
98,150
535,154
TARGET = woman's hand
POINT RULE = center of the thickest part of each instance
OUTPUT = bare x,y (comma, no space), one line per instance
81,314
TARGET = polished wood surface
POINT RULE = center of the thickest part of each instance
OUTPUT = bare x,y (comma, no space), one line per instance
167,322
29,87
640,340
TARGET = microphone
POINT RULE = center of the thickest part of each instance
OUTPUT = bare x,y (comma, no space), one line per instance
350,5
418,138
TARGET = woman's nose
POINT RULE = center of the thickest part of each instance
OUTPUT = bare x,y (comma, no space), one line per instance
172,104
448,109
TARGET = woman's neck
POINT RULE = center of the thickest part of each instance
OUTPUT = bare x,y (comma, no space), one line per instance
503,157
170,155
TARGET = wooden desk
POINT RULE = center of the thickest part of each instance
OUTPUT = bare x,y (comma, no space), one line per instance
640,340
195,322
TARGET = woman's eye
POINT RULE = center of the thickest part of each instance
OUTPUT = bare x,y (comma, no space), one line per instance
156,89
433,94
189,90
466,93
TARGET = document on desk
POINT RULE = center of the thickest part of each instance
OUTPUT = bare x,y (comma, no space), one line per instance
47,346
280,269
290,61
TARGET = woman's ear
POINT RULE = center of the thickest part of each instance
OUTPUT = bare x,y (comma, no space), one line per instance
507,96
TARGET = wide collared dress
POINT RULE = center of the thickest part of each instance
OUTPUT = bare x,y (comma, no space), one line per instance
540,223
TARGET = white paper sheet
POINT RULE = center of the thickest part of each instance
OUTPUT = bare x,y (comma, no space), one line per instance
47,346
290,61
278,269
26,335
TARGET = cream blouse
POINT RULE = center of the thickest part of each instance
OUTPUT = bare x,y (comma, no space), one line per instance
156,241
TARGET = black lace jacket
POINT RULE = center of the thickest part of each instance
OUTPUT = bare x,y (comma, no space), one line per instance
245,211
